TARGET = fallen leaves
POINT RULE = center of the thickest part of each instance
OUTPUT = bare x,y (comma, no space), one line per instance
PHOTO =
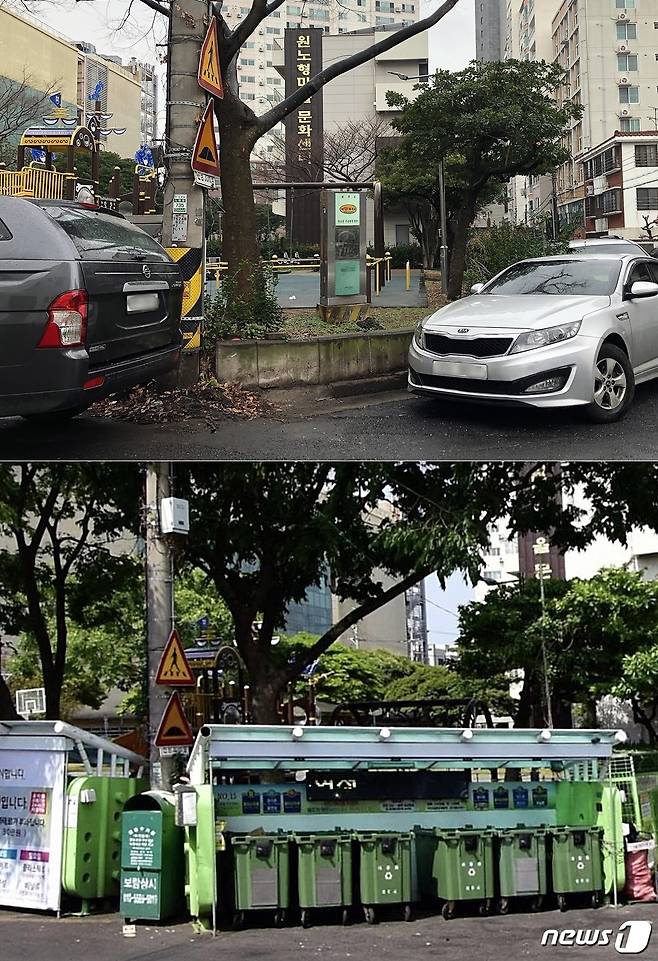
210,401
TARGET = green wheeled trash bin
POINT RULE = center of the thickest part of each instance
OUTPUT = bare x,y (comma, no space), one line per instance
324,864
577,864
463,869
522,871
152,885
385,871
261,869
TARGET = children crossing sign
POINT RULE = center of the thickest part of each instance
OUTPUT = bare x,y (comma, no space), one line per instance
174,727
205,154
209,75
174,668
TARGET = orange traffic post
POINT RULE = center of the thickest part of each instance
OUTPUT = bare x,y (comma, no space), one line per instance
407,283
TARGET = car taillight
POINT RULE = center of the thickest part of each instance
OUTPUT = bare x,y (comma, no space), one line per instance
67,321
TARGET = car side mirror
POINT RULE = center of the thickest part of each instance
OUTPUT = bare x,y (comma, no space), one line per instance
476,288
643,288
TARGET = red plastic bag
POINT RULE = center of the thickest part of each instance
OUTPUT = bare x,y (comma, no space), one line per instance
639,882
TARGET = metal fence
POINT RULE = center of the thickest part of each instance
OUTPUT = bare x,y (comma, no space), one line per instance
34,182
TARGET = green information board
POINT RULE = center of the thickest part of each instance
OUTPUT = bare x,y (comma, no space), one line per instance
141,841
348,208
348,273
140,894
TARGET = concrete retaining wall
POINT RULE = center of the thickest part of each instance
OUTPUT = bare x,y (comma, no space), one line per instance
318,360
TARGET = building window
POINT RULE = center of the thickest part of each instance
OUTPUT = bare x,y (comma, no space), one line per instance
646,155
611,201
629,124
401,234
626,62
626,31
629,95
647,198
625,4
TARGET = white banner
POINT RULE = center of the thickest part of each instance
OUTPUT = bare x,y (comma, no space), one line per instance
31,828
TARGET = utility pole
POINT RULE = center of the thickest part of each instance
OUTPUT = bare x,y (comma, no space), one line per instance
185,232
444,231
159,611
554,209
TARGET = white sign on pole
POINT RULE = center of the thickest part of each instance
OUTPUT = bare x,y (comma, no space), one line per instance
178,228
31,836
207,180
180,204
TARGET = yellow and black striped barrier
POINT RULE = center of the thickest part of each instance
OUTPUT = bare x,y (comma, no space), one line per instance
190,261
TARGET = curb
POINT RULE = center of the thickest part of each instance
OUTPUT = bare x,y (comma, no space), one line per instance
368,385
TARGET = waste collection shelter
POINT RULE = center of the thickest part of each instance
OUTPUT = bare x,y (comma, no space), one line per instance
260,789
62,792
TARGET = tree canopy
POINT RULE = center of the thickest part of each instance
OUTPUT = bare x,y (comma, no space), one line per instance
490,121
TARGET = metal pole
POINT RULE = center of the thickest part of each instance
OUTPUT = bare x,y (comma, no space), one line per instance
159,612
444,233
185,103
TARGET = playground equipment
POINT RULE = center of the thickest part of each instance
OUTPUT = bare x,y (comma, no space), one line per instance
494,796
62,791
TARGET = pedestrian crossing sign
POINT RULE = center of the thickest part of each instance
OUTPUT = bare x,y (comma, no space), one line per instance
174,668
174,727
205,155
209,75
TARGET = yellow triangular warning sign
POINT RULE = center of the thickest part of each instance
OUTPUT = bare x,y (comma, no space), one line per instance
174,727
174,668
209,75
205,155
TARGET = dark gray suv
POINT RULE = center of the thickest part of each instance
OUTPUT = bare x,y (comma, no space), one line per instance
89,305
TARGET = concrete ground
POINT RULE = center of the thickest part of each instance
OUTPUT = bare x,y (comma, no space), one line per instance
302,289
33,937
390,426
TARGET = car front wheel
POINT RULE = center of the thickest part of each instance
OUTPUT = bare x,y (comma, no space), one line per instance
614,385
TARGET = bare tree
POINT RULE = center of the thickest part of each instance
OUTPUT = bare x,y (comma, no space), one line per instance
20,106
350,152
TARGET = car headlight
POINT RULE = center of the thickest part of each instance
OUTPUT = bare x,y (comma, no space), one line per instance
418,334
541,338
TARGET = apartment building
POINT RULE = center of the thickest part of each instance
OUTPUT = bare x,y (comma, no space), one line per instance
148,81
621,185
490,24
609,49
261,84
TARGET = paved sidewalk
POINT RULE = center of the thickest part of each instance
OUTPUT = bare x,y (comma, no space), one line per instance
515,937
303,290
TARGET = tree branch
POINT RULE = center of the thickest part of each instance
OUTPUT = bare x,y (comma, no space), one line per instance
158,7
328,638
268,120
257,13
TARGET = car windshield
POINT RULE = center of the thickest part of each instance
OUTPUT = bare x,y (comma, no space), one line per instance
98,235
607,249
558,278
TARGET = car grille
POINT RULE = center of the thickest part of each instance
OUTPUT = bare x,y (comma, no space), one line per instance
477,347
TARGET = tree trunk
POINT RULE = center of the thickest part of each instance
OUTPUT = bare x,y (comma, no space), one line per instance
590,719
461,225
266,694
239,229
52,681
7,709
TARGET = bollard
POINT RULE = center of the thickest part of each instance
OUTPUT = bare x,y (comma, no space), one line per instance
377,286
388,259
407,282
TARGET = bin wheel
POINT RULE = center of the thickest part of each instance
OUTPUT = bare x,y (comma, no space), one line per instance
562,902
408,912
483,911
448,910
279,919
346,916
238,920
596,899
306,918
370,915
503,906
537,903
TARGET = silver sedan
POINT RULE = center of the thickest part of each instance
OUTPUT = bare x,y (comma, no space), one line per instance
551,332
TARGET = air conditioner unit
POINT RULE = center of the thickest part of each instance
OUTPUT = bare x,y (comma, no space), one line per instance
261,83
622,15
623,81
623,48
228,14
590,190
624,113
261,66
261,49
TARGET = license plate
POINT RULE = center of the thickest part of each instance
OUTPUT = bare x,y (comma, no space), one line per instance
142,303
450,368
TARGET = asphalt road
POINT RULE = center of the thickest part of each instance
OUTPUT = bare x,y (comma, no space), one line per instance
32,937
388,426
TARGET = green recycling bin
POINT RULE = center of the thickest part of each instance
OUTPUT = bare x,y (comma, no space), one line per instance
385,871
152,861
577,863
457,865
522,869
261,869
324,863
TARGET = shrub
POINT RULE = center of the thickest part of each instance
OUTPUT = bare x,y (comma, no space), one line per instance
497,247
227,315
